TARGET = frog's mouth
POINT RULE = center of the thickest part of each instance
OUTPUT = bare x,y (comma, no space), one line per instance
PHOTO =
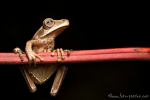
56,32
59,31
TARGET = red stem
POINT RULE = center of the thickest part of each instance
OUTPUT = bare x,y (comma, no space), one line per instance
97,51
108,51
116,54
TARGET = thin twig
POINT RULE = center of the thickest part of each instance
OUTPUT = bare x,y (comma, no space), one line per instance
82,56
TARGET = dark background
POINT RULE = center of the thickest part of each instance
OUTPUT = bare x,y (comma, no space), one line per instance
93,25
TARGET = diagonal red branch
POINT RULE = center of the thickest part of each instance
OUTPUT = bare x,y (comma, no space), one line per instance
81,56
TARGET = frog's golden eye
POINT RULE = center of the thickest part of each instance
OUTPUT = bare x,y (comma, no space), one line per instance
48,23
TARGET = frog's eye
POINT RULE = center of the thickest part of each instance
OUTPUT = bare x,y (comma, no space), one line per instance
48,23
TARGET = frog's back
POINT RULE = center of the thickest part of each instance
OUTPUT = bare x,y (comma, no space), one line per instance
41,73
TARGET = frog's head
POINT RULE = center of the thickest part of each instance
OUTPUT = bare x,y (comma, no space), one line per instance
54,27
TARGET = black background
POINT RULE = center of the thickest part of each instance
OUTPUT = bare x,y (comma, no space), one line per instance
93,25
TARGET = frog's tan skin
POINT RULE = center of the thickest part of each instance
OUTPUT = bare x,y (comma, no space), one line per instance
43,41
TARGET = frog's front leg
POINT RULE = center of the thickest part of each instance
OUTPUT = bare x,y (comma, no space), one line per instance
30,53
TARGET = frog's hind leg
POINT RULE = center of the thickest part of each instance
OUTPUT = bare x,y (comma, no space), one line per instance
30,83
60,75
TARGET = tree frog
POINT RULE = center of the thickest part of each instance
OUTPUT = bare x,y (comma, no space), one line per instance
43,41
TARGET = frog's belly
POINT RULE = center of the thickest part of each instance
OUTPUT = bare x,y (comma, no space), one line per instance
41,73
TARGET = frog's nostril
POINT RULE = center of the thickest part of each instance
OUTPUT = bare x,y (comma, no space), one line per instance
63,20
66,21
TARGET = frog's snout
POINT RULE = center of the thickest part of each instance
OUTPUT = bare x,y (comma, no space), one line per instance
66,21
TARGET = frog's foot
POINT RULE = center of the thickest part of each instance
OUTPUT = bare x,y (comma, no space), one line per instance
60,53
32,57
29,81
60,75
20,52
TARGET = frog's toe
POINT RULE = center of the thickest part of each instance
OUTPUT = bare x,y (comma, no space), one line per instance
68,51
58,55
31,59
37,56
19,51
53,53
